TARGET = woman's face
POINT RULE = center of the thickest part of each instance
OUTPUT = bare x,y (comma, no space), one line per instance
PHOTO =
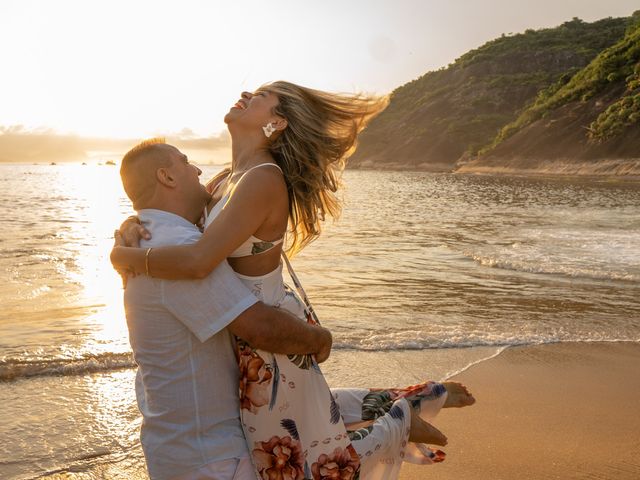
253,110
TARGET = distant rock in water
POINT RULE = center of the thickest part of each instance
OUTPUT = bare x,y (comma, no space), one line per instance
109,162
444,118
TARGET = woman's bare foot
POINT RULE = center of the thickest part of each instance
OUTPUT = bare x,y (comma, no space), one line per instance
457,395
423,432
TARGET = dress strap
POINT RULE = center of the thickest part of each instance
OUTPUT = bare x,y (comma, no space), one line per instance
266,163
309,311
262,165
252,168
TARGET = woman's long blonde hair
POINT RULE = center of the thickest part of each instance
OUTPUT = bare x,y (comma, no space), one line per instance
321,134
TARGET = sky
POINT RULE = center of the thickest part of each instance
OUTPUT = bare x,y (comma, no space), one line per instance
137,68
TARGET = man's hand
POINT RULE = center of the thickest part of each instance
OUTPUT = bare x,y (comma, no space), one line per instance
325,347
132,231
278,331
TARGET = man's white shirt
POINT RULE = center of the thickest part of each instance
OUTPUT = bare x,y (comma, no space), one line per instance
187,380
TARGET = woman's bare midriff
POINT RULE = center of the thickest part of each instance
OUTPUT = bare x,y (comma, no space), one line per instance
257,265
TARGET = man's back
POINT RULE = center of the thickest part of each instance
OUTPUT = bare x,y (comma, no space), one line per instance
187,382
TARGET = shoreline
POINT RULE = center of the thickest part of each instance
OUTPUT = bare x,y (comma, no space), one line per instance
507,172
604,167
561,410
623,169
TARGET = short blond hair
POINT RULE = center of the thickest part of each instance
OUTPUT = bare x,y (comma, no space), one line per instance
138,168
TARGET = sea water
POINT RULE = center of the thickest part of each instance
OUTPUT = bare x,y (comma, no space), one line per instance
422,276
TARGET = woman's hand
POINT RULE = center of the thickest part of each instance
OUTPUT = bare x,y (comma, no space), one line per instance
118,241
128,235
132,231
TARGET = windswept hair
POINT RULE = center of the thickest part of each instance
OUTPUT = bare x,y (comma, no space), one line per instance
321,133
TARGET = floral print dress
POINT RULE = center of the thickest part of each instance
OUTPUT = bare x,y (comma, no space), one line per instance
295,425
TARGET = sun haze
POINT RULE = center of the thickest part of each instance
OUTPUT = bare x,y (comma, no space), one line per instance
131,69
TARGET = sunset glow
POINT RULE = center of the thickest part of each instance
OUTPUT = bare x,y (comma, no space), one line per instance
483,158
133,69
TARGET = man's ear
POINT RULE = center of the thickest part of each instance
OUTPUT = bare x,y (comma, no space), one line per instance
165,178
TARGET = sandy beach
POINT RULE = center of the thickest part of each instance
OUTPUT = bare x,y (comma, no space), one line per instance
561,411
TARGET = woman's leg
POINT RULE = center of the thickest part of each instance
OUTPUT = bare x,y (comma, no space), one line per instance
383,421
359,406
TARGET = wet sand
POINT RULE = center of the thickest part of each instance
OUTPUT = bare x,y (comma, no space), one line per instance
563,411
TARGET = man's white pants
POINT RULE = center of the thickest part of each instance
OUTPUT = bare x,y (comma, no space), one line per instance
230,469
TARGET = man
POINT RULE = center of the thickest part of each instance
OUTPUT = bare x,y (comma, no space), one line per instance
180,331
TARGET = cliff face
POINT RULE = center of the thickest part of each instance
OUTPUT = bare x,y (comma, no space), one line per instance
435,120
593,117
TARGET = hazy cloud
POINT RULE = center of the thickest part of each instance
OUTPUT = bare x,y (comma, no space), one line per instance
18,144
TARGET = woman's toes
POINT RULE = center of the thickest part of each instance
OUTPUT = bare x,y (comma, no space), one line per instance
457,395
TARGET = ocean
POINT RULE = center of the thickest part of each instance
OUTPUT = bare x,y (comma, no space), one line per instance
423,275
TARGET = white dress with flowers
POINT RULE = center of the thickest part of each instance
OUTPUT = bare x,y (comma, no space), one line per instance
295,425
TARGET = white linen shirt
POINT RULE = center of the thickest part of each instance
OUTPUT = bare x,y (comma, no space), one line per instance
187,379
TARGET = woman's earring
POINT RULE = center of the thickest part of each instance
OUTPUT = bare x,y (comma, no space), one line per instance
268,130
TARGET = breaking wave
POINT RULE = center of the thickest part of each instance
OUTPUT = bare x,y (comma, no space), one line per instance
14,369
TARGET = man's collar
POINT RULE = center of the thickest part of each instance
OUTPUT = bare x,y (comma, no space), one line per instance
146,214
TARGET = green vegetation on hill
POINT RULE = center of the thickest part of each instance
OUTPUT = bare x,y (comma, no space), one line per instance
439,117
614,64
574,35
626,111
621,114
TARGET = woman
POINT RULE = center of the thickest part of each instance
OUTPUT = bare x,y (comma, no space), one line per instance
289,144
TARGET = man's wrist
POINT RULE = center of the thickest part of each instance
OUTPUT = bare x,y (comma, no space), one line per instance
326,339
324,345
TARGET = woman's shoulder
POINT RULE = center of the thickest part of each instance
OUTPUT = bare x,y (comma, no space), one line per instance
261,189
264,178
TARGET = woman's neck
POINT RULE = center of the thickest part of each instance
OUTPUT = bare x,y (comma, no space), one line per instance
247,152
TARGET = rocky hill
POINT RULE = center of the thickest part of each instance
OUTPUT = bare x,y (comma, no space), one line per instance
587,124
446,117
